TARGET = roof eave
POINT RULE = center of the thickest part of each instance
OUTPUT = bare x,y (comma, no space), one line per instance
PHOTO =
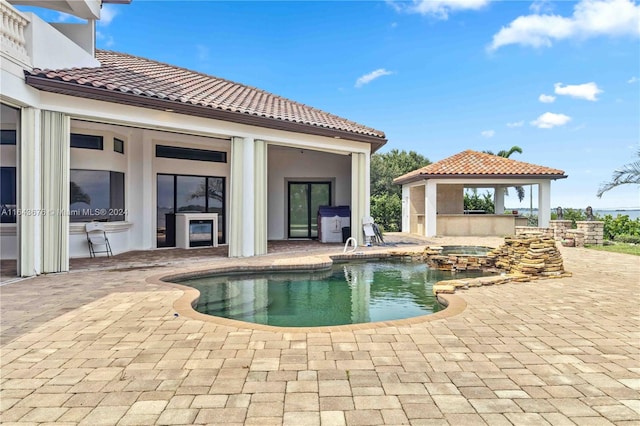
90,92
419,177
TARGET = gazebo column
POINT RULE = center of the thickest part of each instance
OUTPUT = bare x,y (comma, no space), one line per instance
544,204
498,199
430,208
406,224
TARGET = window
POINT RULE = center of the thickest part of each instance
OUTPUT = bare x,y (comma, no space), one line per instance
8,137
10,122
181,194
118,145
7,195
86,141
96,195
190,154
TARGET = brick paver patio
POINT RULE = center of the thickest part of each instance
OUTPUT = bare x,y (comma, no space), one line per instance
105,347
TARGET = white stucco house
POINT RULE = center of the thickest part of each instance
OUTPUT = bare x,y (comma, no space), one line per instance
98,135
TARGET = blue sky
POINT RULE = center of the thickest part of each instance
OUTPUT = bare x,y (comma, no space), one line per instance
559,79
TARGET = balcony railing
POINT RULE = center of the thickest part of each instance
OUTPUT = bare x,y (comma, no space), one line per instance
13,42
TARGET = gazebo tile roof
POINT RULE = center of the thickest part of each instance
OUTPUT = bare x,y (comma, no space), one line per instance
479,164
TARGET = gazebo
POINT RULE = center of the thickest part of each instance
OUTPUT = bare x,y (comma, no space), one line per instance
433,196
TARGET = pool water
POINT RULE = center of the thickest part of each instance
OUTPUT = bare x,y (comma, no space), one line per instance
348,293
466,250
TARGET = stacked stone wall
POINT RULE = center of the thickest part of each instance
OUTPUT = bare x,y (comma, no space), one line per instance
532,230
560,228
593,231
455,262
532,255
576,235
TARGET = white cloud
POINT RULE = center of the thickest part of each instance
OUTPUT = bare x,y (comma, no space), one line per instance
588,91
541,6
632,80
488,133
368,78
516,124
107,13
549,120
590,18
547,99
439,9
107,40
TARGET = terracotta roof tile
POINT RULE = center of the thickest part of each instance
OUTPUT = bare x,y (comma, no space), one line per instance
130,74
474,163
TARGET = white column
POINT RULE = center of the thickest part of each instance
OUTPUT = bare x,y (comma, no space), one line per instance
544,204
430,204
260,207
498,199
242,199
358,195
55,151
406,224
29,229
235,197
248,198
149,187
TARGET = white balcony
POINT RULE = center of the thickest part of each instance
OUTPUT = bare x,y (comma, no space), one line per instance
30,42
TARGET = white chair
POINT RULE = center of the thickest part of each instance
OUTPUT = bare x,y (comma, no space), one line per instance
372,234
96,236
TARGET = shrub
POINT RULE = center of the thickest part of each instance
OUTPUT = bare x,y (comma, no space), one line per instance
574,215
386,210
620,225
626,238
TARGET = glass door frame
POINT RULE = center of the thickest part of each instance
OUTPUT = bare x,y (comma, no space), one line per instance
310,214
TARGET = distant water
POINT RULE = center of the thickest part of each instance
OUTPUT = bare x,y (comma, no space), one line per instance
632,213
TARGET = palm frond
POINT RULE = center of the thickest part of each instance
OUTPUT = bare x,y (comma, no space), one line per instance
628,174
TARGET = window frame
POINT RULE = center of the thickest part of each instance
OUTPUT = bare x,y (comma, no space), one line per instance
98,139
118,145
191,154
221,223
113,207
12,208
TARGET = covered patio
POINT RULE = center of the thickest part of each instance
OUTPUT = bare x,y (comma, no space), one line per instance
433,196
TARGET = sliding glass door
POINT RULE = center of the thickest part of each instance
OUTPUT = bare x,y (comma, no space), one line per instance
304,200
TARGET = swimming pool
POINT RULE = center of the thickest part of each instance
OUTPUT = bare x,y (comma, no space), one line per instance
348,293
466,250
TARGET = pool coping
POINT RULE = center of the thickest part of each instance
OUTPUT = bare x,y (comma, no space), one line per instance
184,304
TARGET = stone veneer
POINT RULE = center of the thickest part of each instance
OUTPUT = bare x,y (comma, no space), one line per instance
590,232
433,257
593,231
523,258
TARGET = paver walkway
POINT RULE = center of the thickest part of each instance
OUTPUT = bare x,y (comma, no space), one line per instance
104,347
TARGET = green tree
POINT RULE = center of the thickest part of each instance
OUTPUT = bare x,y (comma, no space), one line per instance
386,198
475,201
506,154
628,174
